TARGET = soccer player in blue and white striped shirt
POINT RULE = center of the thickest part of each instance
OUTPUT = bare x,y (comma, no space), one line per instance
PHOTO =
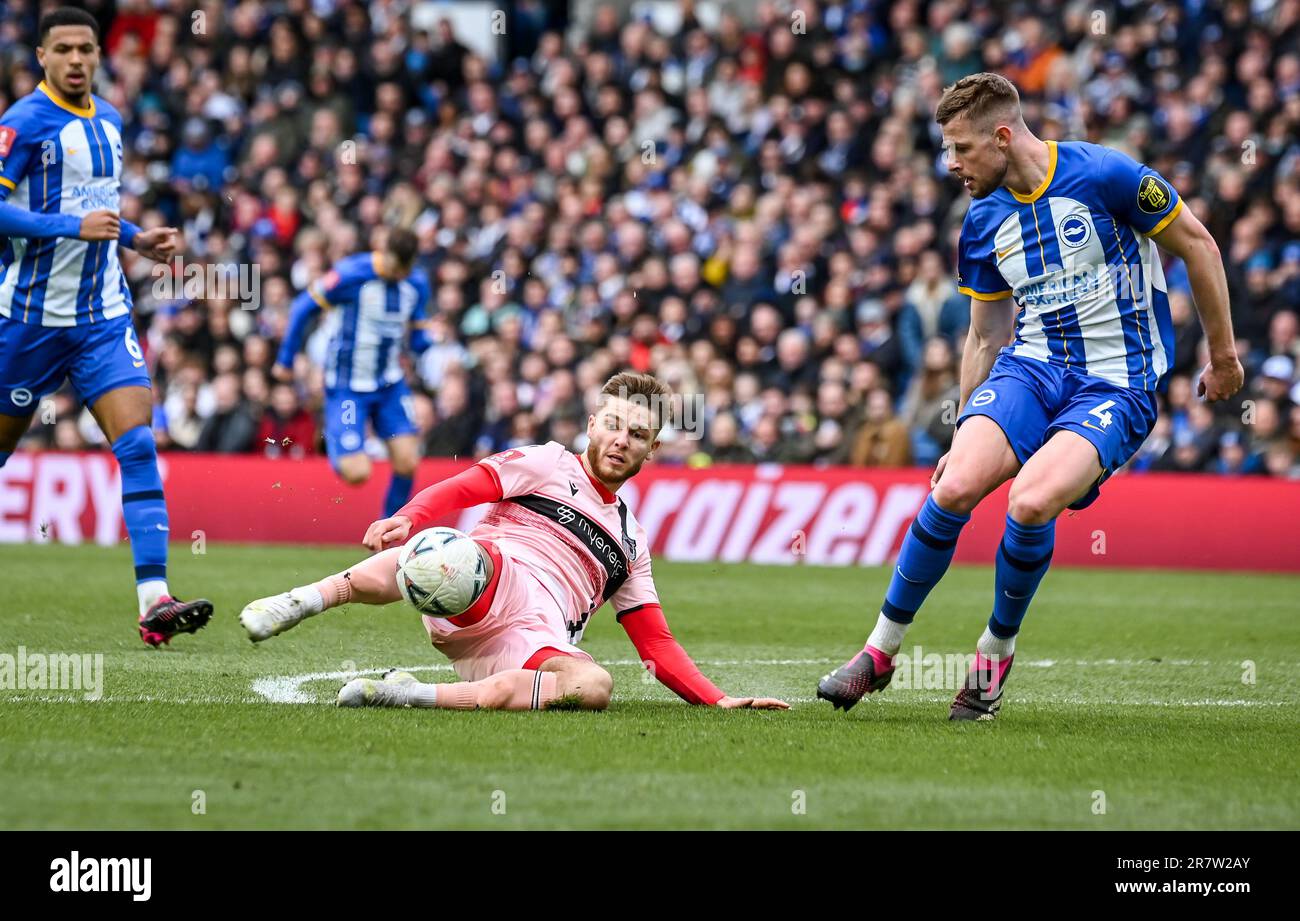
64,302
1070,340
371,301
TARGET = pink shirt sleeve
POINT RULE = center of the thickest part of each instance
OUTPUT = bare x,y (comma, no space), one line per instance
521,471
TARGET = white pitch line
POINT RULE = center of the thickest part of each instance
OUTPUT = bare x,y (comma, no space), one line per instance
40,697
287,689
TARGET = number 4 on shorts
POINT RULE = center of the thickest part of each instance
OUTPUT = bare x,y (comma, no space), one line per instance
1100,412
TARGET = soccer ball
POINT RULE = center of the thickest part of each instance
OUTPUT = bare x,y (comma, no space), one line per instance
441,572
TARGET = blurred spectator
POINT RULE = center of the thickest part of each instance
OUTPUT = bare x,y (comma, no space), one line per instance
287,430
201,160
724,445
67,437
876,337
1157,446
883,440
771,446
183,423
455,426
930,406
231,428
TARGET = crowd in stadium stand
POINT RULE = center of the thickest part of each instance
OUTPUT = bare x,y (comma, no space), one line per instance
756,210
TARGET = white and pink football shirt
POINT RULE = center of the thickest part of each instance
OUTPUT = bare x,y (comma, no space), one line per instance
572,531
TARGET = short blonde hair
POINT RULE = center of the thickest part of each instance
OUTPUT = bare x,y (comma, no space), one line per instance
641,388
981,98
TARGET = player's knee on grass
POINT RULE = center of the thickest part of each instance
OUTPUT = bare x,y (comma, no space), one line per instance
354,468
584,685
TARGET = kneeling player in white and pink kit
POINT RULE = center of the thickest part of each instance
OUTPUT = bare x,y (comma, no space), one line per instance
559,543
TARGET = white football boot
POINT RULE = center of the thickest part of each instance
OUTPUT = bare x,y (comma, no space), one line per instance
391,690
266,617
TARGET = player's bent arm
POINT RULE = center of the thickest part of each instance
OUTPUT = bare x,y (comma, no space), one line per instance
35,225
464,490
991,325
470,487
419,339
129,233
648,629
303,309
31,225
1188,239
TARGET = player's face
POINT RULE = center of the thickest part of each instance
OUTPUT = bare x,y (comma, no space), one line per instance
621,439
69,57
977,157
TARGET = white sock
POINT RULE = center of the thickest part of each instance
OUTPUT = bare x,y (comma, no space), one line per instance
888,635
423,695
149,591
996,647
309,597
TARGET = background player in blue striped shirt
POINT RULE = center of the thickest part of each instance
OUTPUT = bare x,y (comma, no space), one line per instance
65,308
371,300
1070,339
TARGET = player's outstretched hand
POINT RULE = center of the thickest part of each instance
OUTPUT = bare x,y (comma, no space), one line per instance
752,703
1220,380
938,471
282,373
100,225
387,532
157,243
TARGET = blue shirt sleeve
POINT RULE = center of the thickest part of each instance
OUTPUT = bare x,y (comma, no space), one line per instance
336,286
128,234
32,225
977,271
18,145
1135,194
342,281
303,309
420,340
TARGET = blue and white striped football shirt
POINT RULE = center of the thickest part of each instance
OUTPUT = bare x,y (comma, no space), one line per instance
367,317
1076,257
56,158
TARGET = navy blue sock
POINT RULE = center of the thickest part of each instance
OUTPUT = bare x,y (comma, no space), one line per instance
923,559
4,456
1022,561
143,506
399,493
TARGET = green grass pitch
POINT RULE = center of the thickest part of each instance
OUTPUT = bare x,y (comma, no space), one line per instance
1139,700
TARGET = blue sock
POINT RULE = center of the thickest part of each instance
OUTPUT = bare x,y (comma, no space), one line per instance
143,507
1022,561
4,456
926,552
399,493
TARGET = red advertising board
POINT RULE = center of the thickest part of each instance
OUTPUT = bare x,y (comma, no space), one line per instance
765,514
